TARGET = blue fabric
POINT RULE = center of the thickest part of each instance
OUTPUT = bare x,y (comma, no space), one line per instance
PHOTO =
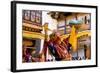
54,52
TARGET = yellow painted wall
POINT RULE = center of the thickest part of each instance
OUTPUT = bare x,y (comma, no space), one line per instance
28,34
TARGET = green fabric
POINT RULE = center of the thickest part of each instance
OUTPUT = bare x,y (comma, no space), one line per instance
75,22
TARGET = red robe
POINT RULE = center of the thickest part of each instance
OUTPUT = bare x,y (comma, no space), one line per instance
60,48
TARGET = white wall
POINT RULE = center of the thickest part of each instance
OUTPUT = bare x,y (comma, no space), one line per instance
5,36
81,53
52,23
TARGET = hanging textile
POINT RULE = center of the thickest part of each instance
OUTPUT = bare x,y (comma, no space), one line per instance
73,39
